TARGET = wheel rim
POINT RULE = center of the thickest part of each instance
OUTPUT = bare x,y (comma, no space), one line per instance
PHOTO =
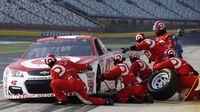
160,80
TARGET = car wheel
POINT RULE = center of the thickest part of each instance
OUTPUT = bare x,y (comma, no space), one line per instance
98,80
163,84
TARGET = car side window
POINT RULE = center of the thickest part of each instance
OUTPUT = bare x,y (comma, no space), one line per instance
98,47
103,48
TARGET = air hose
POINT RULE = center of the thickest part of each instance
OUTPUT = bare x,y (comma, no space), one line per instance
191,88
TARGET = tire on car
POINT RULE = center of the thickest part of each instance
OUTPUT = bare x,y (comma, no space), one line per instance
98,80
163,84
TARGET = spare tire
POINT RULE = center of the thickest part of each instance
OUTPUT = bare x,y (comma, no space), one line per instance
163,84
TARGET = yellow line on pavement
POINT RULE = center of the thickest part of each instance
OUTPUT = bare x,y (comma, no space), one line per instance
19,33
100,35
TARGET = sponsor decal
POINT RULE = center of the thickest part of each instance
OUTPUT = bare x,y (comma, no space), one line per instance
90,75
90,82
91,92
39,78
32,63
44,72
30,96
91,88
65,35
14,82
108,64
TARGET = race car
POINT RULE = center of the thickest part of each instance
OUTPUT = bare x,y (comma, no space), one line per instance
29,77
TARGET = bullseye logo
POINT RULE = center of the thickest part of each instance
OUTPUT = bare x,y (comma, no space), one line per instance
118,57
161,25
138,37
177,62
39,62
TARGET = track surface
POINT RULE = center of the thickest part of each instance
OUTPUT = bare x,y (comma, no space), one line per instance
191,54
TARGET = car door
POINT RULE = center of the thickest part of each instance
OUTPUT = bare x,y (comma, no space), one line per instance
106,63
105,56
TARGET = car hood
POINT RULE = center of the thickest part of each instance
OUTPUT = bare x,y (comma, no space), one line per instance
39,64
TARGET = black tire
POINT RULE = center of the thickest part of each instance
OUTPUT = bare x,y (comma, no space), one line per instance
98,80
163,84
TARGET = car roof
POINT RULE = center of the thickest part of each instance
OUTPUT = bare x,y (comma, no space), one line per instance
70,37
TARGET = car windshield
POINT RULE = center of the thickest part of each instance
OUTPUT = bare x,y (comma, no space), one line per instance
59,48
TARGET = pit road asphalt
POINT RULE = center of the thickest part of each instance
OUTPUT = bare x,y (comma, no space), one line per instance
191,54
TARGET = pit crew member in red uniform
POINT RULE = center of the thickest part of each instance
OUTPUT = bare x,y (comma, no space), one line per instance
140,69
186,72
152,49
132,91
65,79
162,35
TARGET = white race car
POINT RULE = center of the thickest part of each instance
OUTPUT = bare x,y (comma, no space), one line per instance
29,77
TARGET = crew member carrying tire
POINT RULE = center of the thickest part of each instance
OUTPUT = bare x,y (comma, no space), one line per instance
162,35
65,80
152,49
132,92
186,73
140,69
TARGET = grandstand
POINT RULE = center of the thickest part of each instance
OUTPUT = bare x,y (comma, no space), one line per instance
97,15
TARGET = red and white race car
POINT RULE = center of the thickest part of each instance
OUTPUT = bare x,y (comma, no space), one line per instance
29,77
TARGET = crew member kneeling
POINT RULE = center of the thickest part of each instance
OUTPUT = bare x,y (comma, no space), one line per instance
65,79
140,69
133,91
186,72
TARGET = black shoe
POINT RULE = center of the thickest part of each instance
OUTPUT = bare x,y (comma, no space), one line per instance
115,99
133,99
148,98
61,103
109,102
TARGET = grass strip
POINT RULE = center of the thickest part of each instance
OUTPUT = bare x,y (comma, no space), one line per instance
20,47
20,33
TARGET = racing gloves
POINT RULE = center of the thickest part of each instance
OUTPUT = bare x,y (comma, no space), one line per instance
196,73
149,61
89,67
124,50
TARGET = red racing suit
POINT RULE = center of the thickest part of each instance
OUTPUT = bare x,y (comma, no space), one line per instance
141,70
167,39
186,76
65,80
152,49
132,87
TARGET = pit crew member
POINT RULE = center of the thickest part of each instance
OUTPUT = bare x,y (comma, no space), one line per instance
162,35
140,69
186,72
152,49
65,80
132,91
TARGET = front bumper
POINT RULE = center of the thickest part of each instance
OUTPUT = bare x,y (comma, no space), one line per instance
28,88
38,86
